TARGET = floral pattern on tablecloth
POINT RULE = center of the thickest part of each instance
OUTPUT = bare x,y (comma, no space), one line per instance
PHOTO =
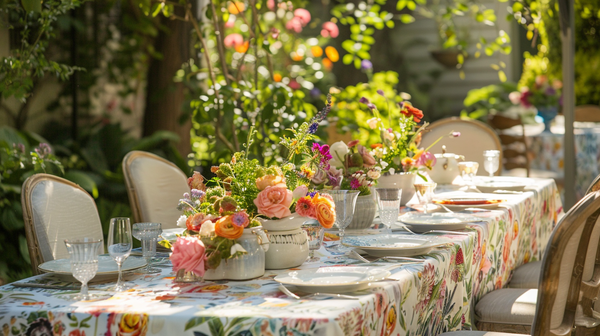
418,299
547,153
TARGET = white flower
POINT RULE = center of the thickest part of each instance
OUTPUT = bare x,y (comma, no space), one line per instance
373,174
373,123
181,221
392,171
387,135
237,248
207,229
338,151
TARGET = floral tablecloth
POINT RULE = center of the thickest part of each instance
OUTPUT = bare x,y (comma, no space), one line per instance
418,299
547,153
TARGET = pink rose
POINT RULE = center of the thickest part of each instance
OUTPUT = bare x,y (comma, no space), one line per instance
188,254
300,191
368,159
274,201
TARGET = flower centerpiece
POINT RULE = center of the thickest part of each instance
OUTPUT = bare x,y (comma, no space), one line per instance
544,95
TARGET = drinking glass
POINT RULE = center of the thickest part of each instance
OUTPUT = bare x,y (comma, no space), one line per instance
388,200
119,245
492,161
467,170
314,232
83,254
345,201
425,193
148,234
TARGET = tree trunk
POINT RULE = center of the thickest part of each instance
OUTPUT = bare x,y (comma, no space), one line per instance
165,98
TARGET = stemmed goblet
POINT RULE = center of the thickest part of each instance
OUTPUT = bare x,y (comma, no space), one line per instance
314,232
83,255
492,161
148,234
119,245
345,201
425,193
388,200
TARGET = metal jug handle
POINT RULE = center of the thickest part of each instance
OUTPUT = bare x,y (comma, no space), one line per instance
263,239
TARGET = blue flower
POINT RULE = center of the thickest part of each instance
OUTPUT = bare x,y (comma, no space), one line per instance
312,129
366,65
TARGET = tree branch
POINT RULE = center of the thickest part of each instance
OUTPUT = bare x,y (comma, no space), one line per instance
220,43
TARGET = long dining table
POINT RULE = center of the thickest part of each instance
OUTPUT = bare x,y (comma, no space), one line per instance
422,298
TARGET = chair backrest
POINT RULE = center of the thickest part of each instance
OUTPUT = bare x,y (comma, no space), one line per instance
514,146
590,113
570,258
55,209
475,137
154,185
594,186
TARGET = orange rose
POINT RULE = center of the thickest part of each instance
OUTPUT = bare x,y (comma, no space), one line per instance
226,229
269,181
325,209
133,325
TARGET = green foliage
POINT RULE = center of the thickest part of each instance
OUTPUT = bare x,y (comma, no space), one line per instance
488,99
24,65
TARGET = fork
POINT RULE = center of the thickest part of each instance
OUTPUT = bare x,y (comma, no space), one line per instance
354,255
291,294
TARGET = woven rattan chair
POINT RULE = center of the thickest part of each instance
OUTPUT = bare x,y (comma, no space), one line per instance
569,266
475,138
154,185
55,209
589,113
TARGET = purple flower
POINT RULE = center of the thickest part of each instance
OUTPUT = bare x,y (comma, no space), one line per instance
367,102
43,150
312,129
315,93
550,91
366,65
355,184
186,196
19,148
455,134
196,193
380,92
312,194
401,105
240,219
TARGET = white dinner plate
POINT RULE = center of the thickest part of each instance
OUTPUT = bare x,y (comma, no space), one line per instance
422,222
341,279
393,245
106,266
491,184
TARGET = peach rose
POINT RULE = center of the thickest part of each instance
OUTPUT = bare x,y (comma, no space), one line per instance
274,201
226,229
188,254
269,181
194,222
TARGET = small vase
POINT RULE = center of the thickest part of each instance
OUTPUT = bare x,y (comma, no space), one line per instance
286,249
292,222
548,113
364,213
404,181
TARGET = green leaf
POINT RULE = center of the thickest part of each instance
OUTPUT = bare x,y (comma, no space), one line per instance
406,18
84,180
32,5
502,76
195,321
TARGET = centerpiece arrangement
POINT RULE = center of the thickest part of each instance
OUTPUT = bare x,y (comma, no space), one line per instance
224,217
544,95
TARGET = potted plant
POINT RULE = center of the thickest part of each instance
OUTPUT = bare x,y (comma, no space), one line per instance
544,95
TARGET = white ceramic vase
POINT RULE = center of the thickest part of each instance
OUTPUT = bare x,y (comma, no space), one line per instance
287,249
248,266
364,213
404,181
292,222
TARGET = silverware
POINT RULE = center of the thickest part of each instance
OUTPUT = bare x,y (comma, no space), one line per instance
289,293
354,255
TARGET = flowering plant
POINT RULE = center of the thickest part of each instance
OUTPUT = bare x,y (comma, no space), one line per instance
357,166
316,206
541,94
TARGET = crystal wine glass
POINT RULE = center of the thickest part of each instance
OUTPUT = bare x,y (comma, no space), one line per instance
467,170
345,201
314,232
119,245
425,193
83,254
148,234
388,200
492,161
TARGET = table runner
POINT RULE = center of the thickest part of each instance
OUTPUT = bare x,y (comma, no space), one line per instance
418,299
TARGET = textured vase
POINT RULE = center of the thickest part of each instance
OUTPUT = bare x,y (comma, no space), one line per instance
286,249
404,181
548,113
364,213
284,224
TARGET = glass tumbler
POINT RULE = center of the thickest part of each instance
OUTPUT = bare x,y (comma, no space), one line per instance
388,200
467,170
345,202
148,234
492,161
83,254
314,232
425,193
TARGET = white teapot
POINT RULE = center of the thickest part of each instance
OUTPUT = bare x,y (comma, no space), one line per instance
445,169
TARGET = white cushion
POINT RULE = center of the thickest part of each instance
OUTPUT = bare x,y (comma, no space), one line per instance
479,333
526,276
61,212
508,306
159,186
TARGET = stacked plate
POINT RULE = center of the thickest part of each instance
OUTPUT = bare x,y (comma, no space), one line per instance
339,279
393,245
421,222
